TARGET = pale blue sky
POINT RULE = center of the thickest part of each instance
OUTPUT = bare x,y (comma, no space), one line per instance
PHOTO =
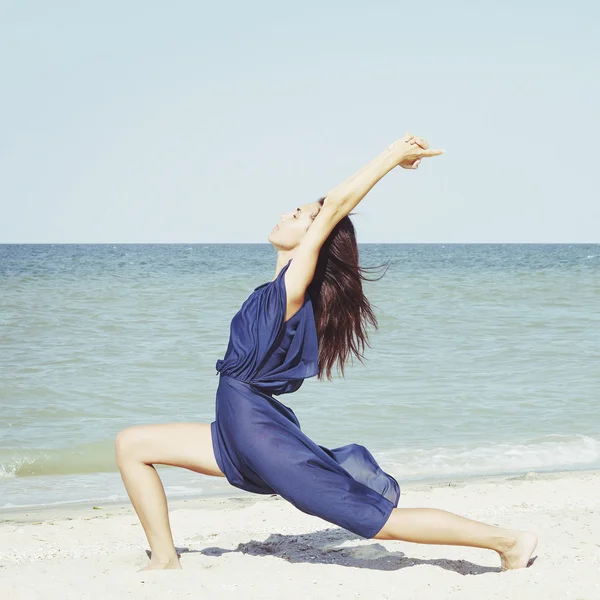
146,121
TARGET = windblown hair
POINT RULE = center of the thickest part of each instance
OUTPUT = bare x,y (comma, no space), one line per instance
342,311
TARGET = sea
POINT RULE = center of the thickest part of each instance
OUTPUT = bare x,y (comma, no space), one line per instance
486,360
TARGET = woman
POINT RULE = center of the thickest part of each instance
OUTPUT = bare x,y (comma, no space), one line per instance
300,324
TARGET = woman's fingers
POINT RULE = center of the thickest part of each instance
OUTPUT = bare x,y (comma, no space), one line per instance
427,153
420,142
416,149
415,140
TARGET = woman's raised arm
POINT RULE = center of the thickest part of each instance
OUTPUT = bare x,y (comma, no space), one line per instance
406,152
339,202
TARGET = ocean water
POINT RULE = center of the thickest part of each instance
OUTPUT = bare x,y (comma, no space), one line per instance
486,360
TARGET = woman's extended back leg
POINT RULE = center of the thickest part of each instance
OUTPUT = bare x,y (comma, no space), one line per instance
137,449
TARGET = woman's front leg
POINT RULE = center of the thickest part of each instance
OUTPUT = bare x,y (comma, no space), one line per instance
138,449
437,526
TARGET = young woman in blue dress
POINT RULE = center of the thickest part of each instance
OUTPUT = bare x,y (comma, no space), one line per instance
320,239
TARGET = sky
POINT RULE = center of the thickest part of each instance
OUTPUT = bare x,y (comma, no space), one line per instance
196,122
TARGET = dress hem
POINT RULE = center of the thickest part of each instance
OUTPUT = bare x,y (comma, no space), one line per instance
385,520
215,445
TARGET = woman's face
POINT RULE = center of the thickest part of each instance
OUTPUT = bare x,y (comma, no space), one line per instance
292,226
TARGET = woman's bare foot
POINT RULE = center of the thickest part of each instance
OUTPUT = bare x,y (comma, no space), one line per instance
156,565
517,553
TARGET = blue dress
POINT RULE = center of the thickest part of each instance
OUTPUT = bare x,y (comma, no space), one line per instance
257,440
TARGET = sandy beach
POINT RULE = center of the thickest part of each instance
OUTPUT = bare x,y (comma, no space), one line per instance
250,546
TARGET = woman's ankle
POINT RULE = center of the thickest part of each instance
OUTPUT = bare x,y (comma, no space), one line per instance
164,559
505,542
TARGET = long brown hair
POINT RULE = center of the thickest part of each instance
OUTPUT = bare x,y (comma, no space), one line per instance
342,311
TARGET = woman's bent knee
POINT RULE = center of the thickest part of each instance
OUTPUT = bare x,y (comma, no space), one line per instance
187,445
125,443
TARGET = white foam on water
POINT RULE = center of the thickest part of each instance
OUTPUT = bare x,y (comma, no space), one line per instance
547,453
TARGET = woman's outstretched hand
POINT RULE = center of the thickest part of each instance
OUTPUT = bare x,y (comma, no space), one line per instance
411,149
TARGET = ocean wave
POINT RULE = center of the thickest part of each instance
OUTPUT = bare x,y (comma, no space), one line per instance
546,453
93,457
552,452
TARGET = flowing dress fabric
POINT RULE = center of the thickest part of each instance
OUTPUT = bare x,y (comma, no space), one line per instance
257,440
